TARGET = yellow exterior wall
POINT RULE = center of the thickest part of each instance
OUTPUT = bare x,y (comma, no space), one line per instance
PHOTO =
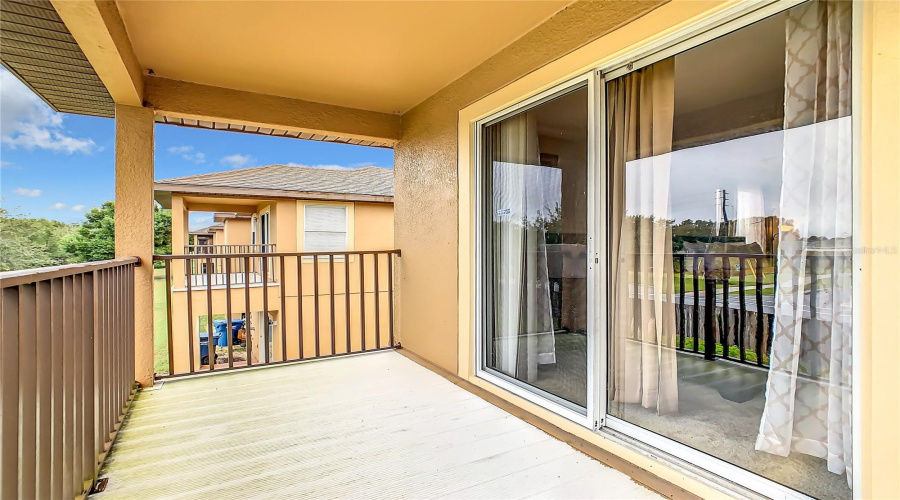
370,226
237,231
434,224
426,183
879,293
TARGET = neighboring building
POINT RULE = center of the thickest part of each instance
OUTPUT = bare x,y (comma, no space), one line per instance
269,209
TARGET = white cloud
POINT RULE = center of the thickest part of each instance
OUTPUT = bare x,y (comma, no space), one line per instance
32,193
352,166
29,123
58,206
188,153
238,160
78,208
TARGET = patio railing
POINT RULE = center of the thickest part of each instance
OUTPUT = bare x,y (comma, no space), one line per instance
212,270
66,374
711,320
317,305
228,249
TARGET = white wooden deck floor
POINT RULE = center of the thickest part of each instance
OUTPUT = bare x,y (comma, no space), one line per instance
371,426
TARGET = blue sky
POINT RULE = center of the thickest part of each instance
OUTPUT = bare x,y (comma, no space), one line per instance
58,165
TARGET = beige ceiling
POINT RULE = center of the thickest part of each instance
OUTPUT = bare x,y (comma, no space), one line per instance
375,55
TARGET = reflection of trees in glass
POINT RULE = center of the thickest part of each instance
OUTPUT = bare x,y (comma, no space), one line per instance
550,223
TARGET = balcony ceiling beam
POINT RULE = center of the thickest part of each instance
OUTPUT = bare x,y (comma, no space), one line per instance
193,101
98,28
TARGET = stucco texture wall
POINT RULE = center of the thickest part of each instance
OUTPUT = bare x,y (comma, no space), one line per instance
425,172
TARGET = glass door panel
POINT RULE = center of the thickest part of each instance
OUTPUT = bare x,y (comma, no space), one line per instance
534,185
730,222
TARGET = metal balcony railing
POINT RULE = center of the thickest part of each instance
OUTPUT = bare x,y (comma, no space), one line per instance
315,305
211,271
66,374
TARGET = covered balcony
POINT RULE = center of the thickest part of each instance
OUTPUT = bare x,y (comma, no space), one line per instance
370,372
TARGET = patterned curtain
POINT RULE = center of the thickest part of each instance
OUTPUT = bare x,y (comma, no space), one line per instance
808,397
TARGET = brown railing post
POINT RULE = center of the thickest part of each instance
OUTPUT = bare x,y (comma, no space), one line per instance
264,334
210,333
390,263
300,303
247,334
331,297
377,262
169,316
347,298
316,300
228,326
282,318
190,317
362,300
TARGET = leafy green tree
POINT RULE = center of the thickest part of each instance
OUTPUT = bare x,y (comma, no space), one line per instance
96,238
162,234
27,243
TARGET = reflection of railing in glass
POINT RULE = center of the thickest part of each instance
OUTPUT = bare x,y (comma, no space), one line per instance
706,316
725,302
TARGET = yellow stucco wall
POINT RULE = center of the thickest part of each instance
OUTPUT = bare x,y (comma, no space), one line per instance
237,231
425,179
134,223
879,293
433,222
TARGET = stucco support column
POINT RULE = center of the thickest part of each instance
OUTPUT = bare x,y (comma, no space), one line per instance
134,223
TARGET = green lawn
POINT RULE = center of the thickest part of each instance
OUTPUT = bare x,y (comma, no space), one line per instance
160,335
733,351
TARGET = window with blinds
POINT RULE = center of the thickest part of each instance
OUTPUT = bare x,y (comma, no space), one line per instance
324,228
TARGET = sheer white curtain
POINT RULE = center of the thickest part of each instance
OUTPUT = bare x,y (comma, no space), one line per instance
643,364
524,196
808,397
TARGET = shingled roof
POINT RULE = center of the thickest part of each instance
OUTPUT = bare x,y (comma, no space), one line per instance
366,181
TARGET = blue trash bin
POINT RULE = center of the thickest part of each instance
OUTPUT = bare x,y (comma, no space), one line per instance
221,329
204,344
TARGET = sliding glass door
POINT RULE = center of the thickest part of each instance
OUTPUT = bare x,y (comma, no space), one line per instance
534,233
730,203
716,228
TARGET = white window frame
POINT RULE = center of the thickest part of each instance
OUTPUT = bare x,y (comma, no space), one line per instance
584,416
723,22
346,209
264,227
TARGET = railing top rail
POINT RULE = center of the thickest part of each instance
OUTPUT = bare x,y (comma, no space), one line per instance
270,254
220,245
26,276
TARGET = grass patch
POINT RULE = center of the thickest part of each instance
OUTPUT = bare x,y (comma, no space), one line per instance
160,332
733,351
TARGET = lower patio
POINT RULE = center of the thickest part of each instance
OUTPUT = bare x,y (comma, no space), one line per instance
374,425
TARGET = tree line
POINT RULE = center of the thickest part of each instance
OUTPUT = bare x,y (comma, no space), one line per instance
27,242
